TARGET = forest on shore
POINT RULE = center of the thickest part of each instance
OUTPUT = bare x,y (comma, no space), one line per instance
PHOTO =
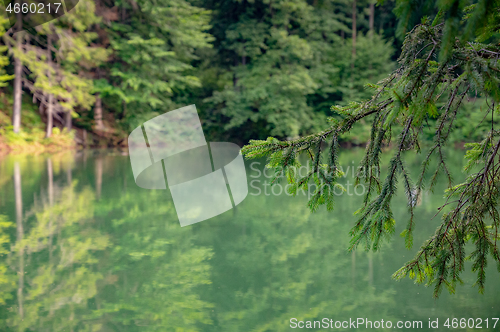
302,74
252,68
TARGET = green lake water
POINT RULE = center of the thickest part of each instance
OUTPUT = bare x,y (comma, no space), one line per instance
85,249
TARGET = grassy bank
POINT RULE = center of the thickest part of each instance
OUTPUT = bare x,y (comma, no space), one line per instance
34,141
471,126
31,139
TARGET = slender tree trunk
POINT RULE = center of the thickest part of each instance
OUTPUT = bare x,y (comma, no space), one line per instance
50,109
84,138
235,79
50,190
68,120
50,175
372,16
98,176
98,111
69,176
20,232
84,159
18,194
371,22
18,70
50,118
354,31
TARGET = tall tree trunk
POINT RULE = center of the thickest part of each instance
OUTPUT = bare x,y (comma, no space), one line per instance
98,111
19,223
85,158
84,138
69,176
353,56
50,175
371,22
235,78
50,106
354,31
18,70
372,16
68,120
98,176
50,117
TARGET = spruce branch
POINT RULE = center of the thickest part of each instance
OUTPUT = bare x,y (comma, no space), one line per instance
403,103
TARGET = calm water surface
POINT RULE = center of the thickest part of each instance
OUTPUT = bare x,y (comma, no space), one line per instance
82,248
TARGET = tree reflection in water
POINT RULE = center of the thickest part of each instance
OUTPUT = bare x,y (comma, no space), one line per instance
83,251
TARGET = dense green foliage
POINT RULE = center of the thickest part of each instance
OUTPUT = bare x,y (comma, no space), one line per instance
153,47
260,68
285,63
253,68
290,65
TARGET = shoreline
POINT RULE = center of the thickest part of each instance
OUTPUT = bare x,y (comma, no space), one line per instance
36,148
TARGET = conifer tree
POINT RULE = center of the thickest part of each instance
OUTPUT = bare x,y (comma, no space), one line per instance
16,111
4,59
282,64
443,63
153,45
54,61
